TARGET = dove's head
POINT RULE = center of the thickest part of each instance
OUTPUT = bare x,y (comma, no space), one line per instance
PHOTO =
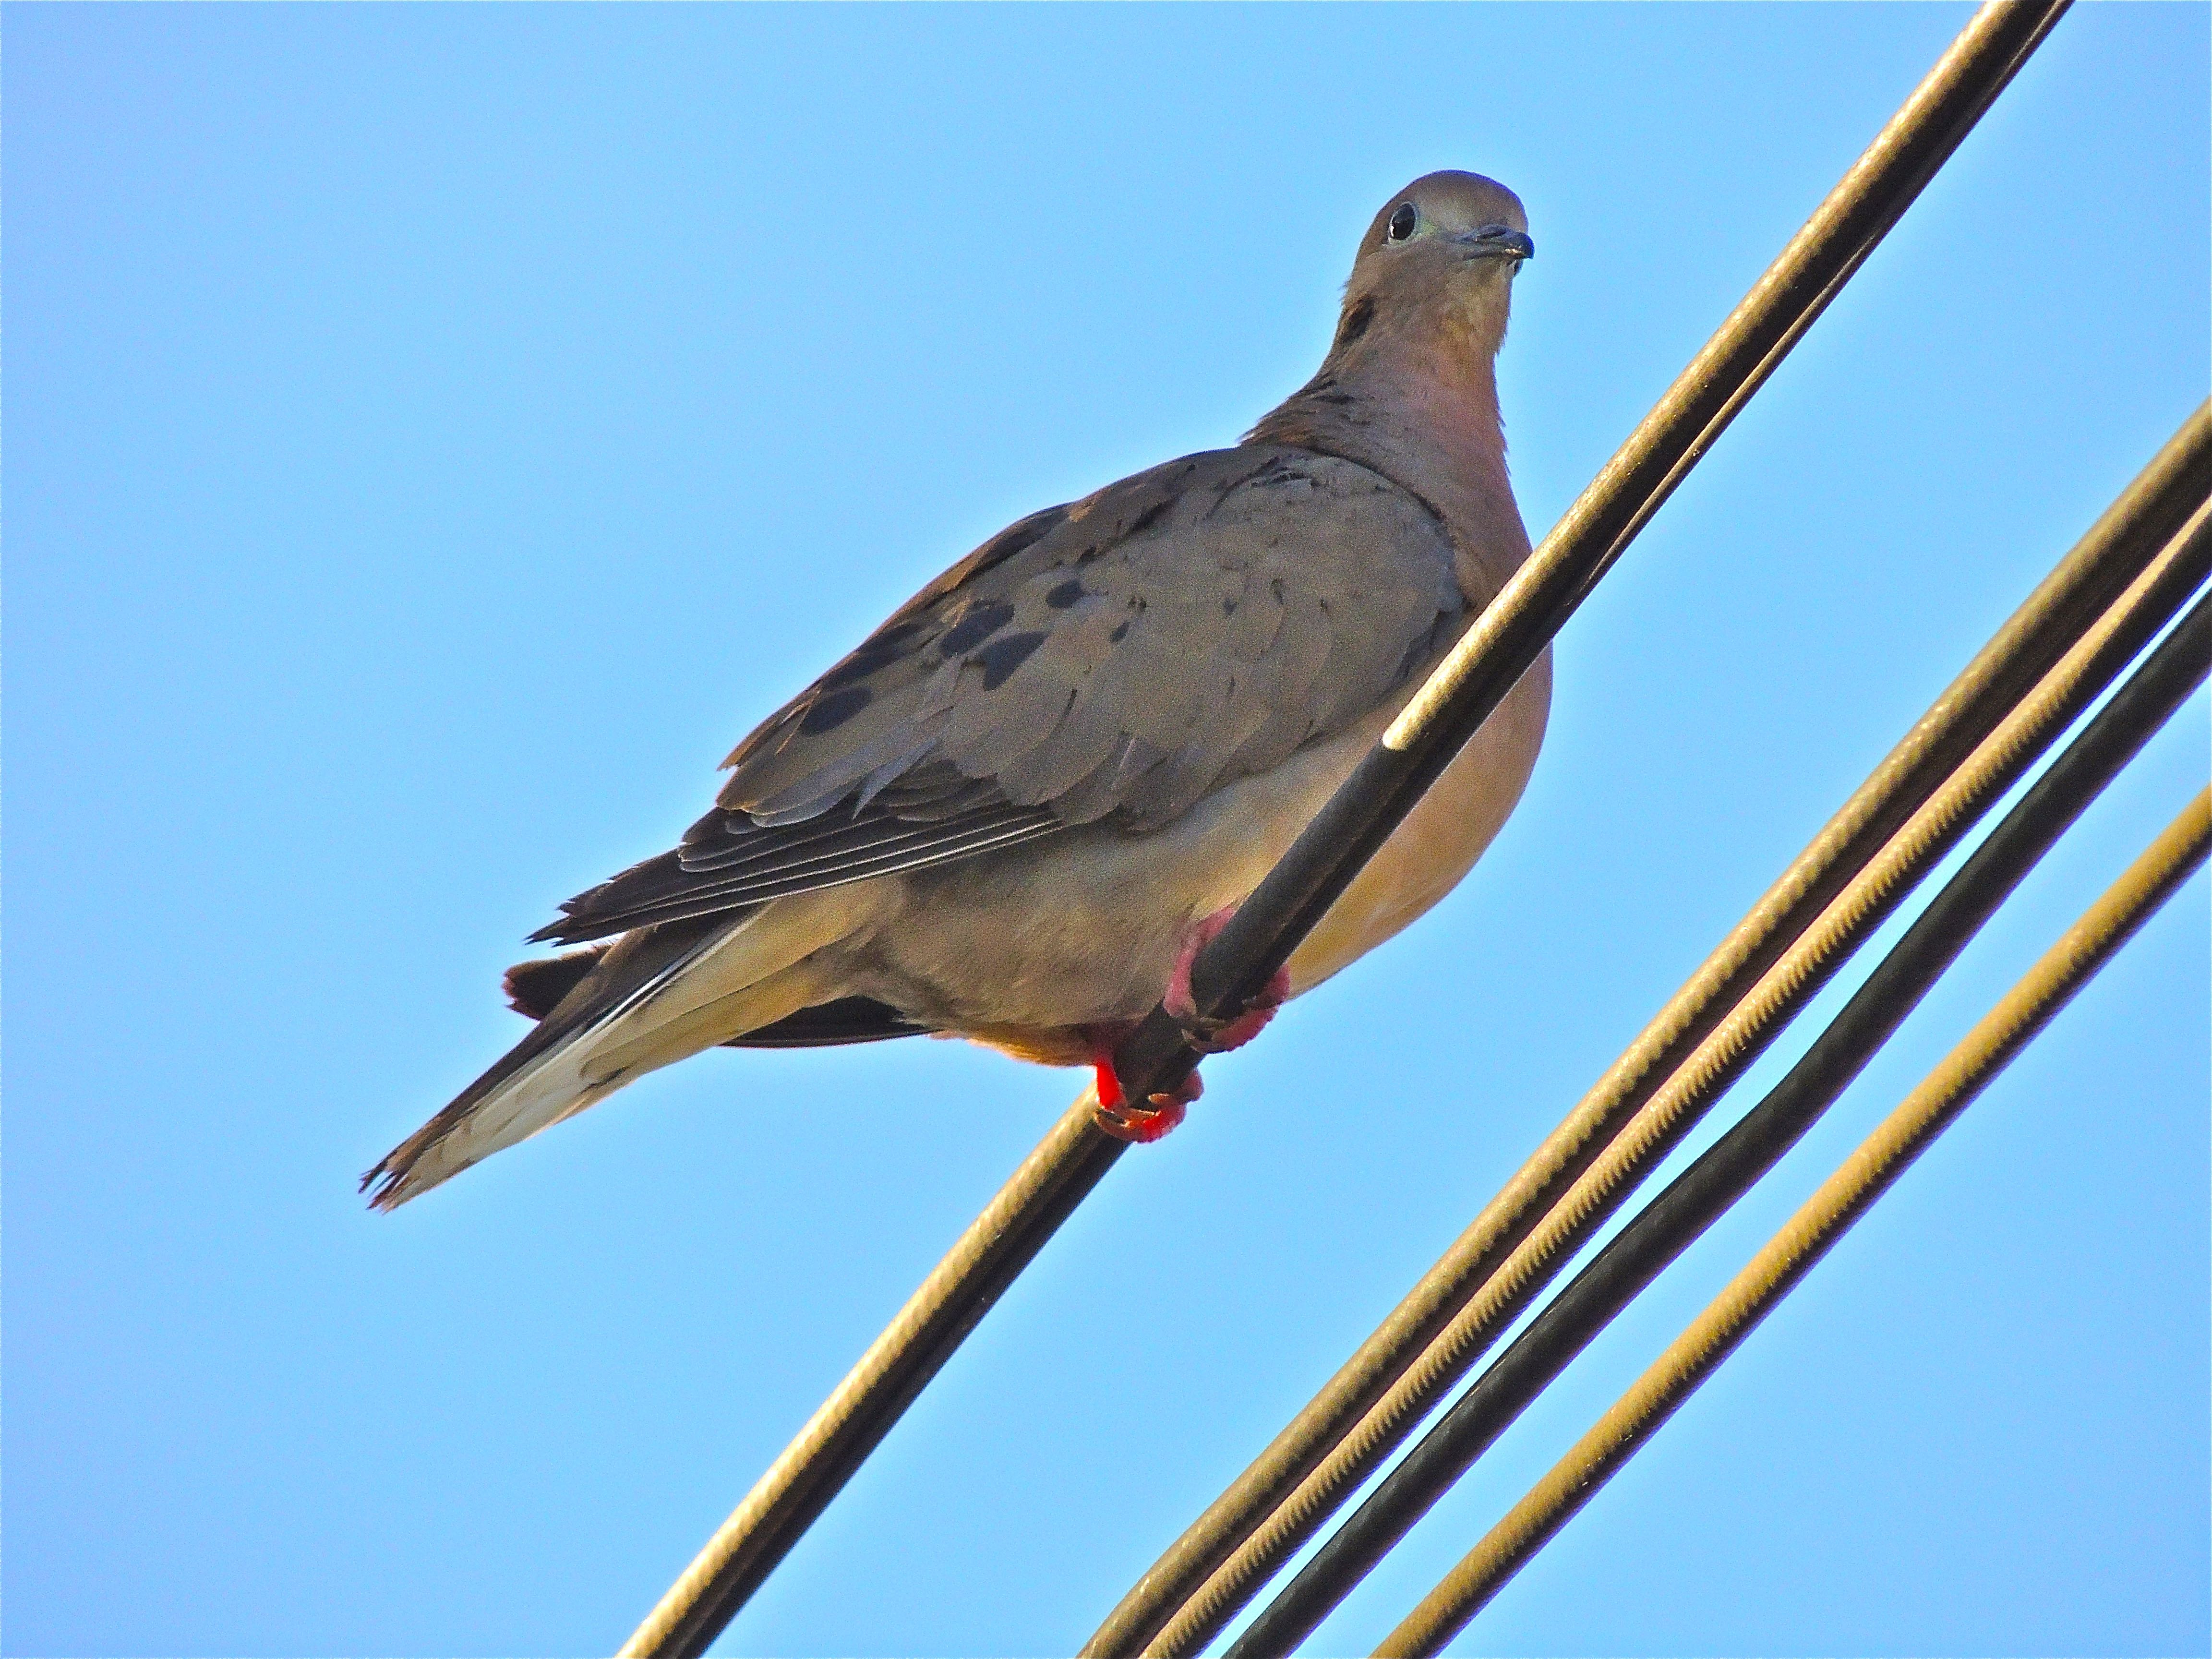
1410,385
1438,261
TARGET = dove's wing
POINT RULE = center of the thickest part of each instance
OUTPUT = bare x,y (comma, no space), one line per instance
1116,658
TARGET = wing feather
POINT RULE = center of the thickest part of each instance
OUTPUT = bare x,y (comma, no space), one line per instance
1114,659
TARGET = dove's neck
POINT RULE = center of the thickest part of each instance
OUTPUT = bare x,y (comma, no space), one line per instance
1427,420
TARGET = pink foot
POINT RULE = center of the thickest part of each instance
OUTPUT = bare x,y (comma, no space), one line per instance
1207,1037
1124,1120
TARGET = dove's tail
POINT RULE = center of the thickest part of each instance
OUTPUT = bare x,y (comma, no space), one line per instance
657,995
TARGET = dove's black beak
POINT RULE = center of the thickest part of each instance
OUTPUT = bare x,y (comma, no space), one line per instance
1499,242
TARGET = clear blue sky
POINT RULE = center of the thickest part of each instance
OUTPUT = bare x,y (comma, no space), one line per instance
435,436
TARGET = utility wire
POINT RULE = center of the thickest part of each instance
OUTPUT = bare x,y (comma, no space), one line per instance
1509,635
1672,1221
846,1427
1825,1218
1764,974
1443,1325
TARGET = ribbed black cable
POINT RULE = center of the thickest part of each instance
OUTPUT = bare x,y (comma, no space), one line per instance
1765,973
1674,1219
1072,1159
1784,1261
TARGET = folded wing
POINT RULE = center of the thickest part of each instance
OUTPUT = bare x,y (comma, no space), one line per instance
1112,660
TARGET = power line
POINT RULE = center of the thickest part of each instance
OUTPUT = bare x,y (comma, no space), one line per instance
1767,970
1672,1221
846,1427
1809,1234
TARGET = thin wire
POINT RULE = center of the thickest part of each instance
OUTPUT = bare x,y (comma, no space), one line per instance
1809,1234
1764,974
1452,704
1672,1221
798,1486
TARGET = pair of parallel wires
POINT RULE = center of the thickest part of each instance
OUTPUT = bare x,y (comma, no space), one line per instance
2107,603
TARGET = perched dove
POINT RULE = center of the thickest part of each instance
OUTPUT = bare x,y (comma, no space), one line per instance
1014,812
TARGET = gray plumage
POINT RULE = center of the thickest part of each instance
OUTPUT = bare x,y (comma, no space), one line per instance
1002,814
1112,660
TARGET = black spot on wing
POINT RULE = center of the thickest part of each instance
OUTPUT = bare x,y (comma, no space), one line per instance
1014,538
1065,595
978,625
1150,516
886,647
828,712
1001,657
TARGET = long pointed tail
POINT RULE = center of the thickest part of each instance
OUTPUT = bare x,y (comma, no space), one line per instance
658,994
540,1080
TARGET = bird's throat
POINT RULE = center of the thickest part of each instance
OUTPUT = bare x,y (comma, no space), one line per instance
1428,421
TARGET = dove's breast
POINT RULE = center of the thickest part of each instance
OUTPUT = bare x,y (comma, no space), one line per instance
1021,950
1440,839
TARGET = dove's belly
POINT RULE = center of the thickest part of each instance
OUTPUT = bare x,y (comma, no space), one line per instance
1022,948
1440,838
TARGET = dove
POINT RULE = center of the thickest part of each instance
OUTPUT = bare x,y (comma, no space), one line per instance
1015,812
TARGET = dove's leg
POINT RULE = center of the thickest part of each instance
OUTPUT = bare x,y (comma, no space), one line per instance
1126,1120
1178,1001
1123,1119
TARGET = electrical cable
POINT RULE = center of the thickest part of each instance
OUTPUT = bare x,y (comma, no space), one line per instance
846,1427
1673,1220
1589,1166
1286,1493
1809,1234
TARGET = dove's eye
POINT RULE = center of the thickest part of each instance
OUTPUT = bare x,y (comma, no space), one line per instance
1402,221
